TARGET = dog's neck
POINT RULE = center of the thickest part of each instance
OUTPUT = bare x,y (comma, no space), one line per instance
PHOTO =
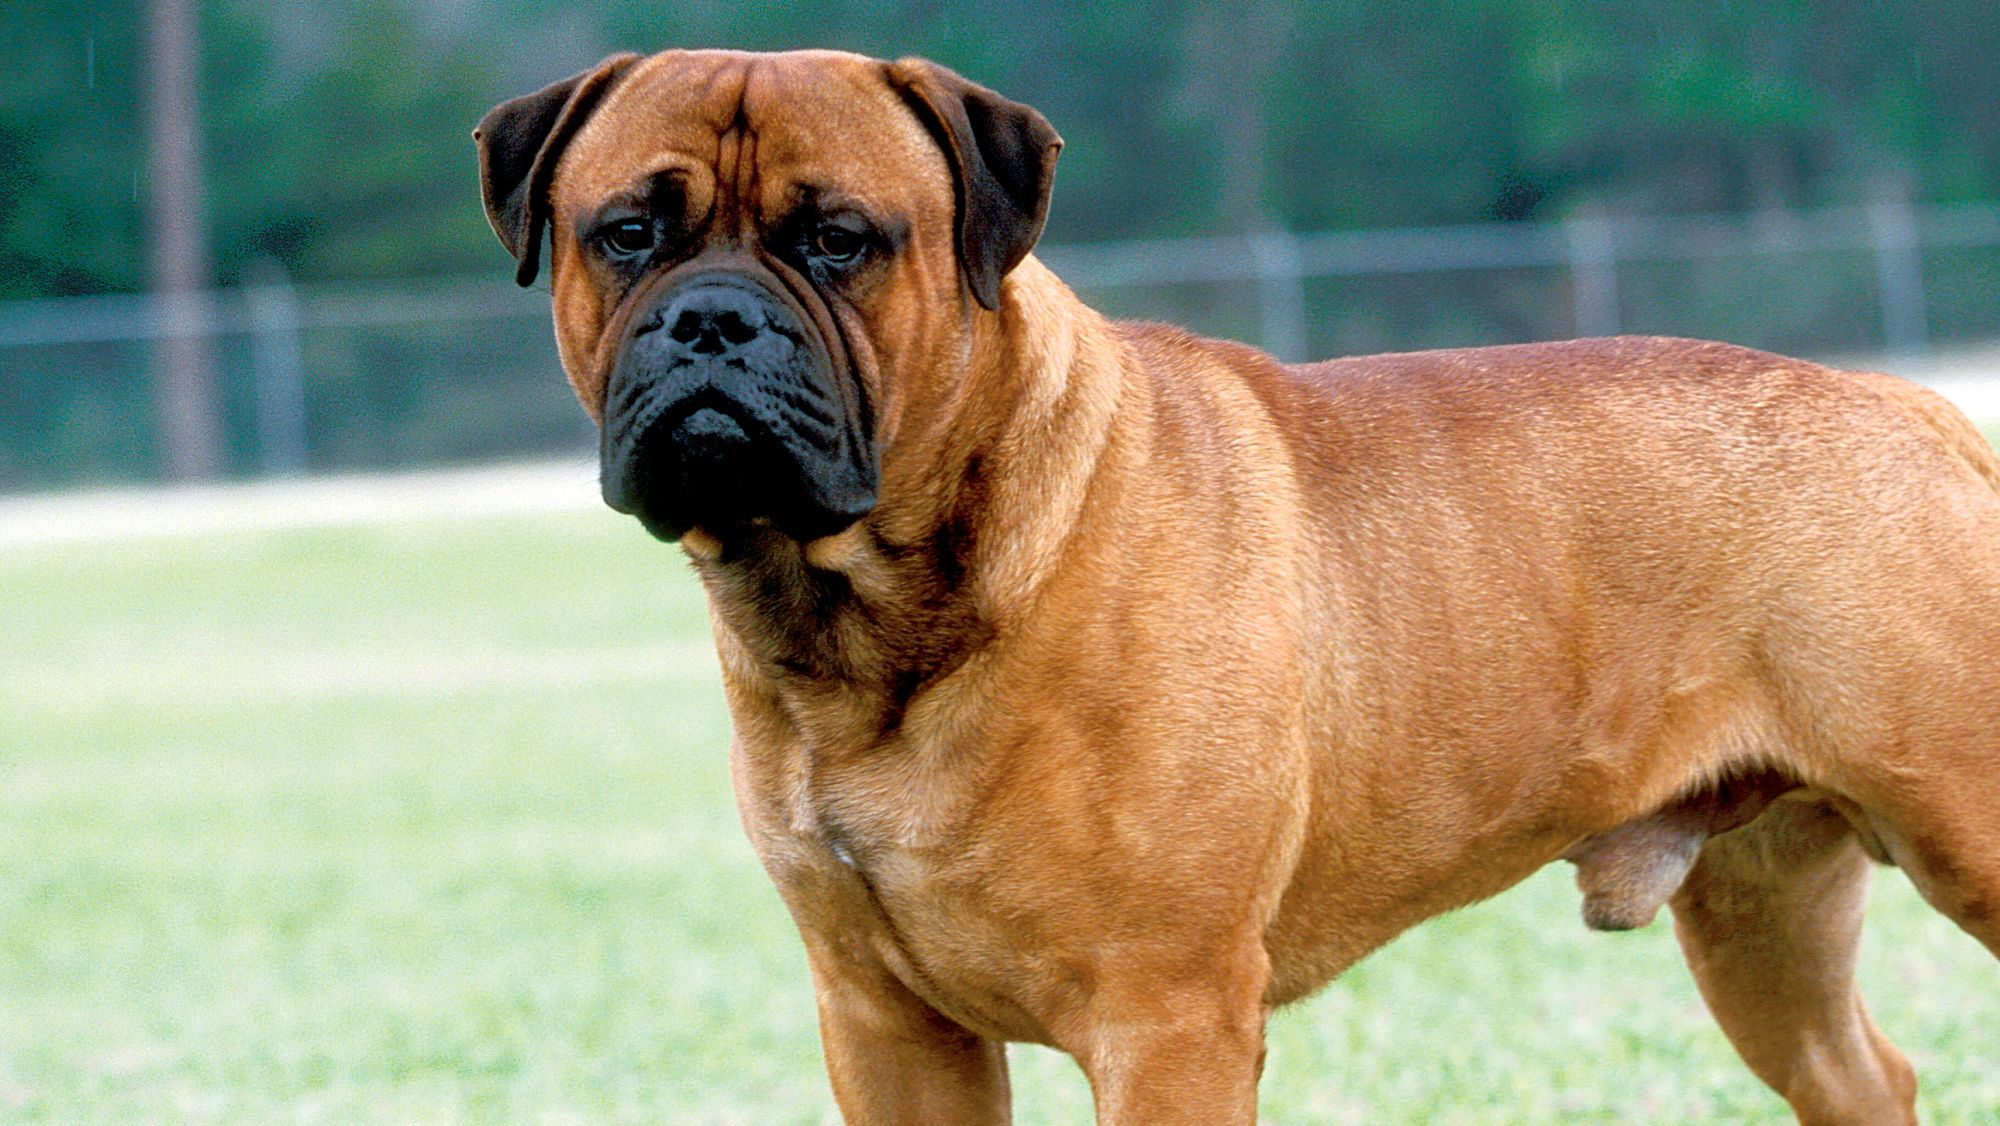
843,634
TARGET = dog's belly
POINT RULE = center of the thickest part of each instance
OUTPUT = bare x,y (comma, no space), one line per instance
1343,904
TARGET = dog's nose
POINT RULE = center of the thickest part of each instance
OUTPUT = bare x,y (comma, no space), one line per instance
714,322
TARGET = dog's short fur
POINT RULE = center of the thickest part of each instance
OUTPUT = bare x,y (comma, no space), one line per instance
1103,686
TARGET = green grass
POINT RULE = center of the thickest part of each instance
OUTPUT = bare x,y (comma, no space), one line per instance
432,823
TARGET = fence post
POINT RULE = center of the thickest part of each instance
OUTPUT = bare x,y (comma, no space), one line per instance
1281,293
1593,273
278,367
1899,273
185,393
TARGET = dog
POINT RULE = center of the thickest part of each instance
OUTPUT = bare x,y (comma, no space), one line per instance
1105,687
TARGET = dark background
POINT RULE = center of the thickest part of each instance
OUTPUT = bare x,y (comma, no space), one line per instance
334,152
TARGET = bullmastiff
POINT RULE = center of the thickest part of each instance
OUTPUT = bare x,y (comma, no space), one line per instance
1102,686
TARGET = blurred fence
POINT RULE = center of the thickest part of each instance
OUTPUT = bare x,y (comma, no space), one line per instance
327,377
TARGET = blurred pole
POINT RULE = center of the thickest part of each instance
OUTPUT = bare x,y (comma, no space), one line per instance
1593,266
1899,270
184,390
1224,58
1281,293
278,363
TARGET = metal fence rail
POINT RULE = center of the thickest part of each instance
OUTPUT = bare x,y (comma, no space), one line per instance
304,354
1591,247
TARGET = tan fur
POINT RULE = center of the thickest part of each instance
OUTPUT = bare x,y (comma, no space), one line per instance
1165,681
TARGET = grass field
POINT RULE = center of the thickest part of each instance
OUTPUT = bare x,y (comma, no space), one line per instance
429,822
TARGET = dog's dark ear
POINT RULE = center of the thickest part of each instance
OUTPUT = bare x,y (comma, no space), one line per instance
1003,156
519,144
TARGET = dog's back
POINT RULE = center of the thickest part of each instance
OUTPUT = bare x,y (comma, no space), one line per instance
1683,510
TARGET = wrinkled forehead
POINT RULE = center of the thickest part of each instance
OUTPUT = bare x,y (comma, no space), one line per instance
824,120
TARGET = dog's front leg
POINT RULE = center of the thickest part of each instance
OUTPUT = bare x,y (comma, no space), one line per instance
1166,1053
893,1059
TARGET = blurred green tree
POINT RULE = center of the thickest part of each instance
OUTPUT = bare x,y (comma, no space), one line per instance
337,133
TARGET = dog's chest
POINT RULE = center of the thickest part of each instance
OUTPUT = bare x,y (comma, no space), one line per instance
908,882
924,919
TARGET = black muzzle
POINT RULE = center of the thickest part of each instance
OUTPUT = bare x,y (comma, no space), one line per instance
727,412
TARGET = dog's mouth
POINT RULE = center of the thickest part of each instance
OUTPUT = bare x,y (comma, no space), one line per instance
706,460
703,421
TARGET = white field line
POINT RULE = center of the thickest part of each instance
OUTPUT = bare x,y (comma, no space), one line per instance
308,675
113,514
1970,379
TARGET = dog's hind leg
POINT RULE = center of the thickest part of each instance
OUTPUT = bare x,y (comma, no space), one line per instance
1770,921
1948,841
1927,795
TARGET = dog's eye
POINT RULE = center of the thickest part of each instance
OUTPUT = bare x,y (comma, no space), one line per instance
837,244
629,236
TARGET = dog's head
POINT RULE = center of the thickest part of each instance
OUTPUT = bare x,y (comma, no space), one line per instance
761,263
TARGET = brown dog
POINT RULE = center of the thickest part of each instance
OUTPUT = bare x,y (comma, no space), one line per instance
1102,686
